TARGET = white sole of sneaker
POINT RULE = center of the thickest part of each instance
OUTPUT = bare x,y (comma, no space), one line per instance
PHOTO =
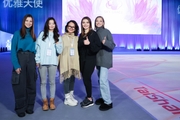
88,105
70,104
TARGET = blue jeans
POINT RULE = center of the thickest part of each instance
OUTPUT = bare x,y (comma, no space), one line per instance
69,84
104,84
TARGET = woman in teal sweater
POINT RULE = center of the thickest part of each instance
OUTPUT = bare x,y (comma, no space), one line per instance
24,67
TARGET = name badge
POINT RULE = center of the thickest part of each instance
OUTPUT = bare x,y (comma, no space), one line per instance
71,51
49,52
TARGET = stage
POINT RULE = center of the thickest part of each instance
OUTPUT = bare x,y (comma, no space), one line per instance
144,86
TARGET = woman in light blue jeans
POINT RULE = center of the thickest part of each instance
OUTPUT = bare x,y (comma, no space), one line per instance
103,63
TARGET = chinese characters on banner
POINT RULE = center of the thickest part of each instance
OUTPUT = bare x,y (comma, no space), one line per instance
23,3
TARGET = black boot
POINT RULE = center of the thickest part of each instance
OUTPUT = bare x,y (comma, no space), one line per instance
104,106
99,101
21,114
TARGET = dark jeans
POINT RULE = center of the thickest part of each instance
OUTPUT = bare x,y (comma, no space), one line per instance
69,84
25,89
87,68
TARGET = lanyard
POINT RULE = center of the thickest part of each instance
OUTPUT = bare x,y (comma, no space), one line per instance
72,43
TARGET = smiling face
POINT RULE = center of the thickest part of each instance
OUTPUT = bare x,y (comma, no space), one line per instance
99,22
51,25
71,27
86,24
28,22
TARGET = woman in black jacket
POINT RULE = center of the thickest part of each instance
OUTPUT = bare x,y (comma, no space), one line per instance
88,46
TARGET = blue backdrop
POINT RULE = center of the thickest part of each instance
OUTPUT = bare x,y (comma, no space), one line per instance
11,19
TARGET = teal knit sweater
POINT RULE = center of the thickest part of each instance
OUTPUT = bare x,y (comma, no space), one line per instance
26,44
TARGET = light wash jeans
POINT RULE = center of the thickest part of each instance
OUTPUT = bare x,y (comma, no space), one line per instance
104,84
51,70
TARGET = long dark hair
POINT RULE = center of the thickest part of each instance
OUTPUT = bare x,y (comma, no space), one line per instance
82,29
96,19
55,31
76,27
23,28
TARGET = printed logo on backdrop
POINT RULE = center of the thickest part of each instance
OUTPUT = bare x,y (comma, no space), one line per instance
159,99
113,4
178,9
23,3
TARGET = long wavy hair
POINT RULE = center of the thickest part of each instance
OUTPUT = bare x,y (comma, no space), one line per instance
23,28
76,27
55,31
82,29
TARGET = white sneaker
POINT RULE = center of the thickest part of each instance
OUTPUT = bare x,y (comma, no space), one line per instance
68,100
72,97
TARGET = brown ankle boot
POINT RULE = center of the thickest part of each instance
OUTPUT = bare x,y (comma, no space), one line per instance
52,106
45,106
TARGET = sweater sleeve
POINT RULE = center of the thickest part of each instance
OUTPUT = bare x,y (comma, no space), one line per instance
80,41
80,44
109,41
59,46
95,45
14,51
38,42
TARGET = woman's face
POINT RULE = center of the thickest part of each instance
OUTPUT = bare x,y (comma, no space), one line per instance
99,22
28,22
71,27
51,25
85,24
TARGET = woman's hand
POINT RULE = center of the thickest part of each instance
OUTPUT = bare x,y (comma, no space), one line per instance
18,71
37,65
103,41
86,42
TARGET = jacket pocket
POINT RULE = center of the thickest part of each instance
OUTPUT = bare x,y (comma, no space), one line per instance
15,78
